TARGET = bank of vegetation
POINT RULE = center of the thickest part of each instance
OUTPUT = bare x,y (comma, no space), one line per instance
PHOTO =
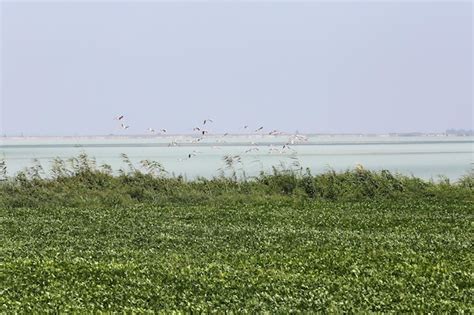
80,181
83,237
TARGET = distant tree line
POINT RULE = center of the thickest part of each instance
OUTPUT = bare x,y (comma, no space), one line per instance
460,132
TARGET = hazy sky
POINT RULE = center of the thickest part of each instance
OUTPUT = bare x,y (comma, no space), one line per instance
69,68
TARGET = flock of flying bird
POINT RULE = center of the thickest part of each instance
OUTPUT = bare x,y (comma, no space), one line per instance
202,132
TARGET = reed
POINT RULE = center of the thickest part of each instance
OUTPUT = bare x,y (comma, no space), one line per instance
79,181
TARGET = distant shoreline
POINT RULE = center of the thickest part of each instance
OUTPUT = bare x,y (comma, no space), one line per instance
219,140
165,136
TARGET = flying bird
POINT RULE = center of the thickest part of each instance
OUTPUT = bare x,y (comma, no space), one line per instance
173,143
287,146
124,126
196,129
256,130
297,138
151,130
251,149
163,130
119,117
207,120
272,150
192,154
204,132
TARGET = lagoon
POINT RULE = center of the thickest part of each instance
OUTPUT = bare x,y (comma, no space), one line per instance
427,157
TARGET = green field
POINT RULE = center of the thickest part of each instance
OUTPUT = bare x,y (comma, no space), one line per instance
355,241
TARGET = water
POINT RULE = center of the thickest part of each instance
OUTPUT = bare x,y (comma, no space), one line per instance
426,157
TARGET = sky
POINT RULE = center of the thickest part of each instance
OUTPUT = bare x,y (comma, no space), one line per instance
68,68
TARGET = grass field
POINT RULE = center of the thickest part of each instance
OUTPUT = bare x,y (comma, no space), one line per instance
355,241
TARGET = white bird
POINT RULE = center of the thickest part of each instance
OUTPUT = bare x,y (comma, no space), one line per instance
297,138
207,120
196,129
194,153
251,149
173,143
125,126
287,146
163,130
151,130
272,149
120,117
258,129
204,132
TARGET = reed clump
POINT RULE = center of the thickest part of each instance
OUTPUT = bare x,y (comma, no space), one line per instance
79,181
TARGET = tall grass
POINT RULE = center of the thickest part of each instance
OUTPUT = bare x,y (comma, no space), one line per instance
79,180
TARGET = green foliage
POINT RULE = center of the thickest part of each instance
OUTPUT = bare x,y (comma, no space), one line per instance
3,170
79,181
86,240
255,255
467,181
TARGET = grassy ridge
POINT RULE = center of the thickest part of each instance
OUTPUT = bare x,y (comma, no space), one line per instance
289,241
79,181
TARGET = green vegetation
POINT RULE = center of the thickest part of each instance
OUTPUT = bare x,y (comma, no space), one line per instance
83,240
